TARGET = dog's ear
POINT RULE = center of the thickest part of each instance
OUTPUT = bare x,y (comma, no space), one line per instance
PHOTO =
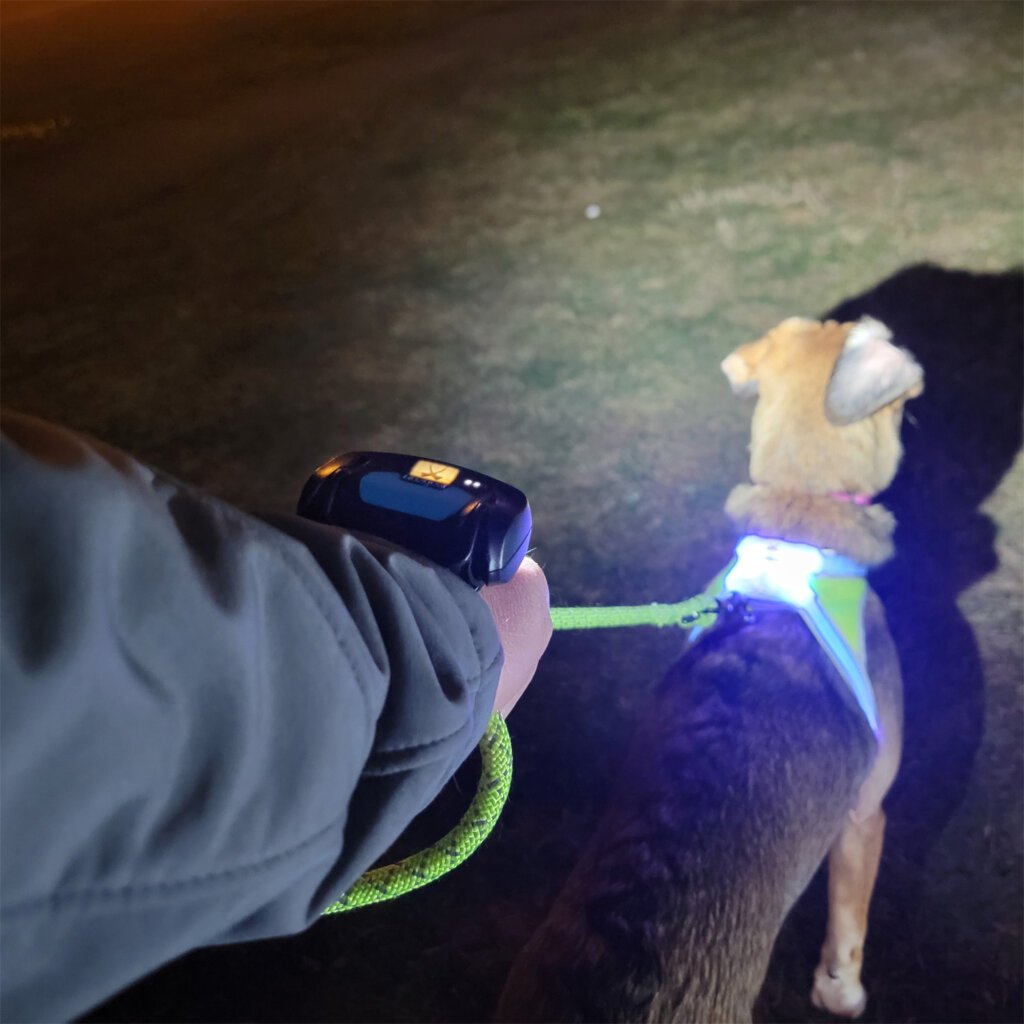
742,366
871,372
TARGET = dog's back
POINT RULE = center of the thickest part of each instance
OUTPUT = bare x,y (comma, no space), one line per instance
736,785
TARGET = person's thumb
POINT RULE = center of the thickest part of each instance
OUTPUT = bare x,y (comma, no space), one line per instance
521,610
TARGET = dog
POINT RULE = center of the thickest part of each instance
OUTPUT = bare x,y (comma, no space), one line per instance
757,757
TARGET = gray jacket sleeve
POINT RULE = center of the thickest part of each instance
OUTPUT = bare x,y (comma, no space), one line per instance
211,724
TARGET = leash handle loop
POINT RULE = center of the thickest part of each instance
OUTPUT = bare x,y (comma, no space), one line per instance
421,868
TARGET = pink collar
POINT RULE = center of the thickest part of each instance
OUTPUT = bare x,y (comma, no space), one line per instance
857,499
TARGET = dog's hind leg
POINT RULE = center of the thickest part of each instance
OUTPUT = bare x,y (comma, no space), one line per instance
852,869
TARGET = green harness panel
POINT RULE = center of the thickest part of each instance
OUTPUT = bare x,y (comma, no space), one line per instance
842,599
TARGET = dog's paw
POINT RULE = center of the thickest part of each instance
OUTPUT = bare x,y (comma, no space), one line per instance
839,991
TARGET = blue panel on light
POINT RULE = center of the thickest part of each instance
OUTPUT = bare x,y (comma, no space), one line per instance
392,491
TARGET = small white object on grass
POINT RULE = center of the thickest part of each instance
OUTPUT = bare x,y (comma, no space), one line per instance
592,212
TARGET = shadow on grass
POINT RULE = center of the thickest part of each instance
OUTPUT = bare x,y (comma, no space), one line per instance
966,331
960,439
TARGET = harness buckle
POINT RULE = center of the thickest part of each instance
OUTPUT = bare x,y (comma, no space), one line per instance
734,611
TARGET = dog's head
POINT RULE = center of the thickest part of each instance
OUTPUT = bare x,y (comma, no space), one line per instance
830,402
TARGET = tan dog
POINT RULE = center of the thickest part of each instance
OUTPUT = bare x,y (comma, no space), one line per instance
805,454
755,760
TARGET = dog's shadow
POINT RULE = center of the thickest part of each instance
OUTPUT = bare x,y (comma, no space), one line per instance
960,439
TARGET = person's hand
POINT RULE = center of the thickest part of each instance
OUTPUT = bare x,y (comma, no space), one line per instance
522,611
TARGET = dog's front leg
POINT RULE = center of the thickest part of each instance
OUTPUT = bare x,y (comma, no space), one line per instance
852,869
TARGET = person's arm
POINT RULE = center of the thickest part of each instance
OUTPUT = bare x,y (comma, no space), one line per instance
201,743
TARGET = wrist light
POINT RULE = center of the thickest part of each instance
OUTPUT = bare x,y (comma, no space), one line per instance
470,523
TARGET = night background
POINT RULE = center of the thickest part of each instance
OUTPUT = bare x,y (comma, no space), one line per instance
240,238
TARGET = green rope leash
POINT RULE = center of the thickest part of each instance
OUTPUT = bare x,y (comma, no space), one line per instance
696,611
421,868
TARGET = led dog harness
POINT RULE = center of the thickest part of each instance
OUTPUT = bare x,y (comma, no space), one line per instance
826,589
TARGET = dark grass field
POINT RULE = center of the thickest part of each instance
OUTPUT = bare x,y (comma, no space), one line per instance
258,234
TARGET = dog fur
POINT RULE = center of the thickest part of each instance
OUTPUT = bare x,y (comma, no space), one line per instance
754,761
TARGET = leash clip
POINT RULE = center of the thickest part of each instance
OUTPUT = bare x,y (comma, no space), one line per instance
691,618
734,610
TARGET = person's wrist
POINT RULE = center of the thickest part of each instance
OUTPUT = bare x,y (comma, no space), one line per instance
521,610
